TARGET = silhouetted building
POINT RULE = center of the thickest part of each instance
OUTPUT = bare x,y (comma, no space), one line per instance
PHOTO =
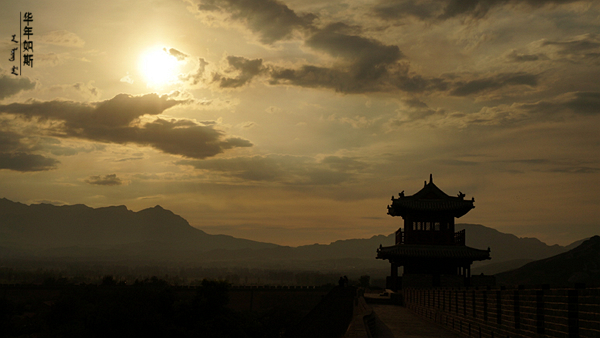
428,248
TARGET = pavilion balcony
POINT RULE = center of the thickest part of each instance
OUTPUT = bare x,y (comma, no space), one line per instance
429,237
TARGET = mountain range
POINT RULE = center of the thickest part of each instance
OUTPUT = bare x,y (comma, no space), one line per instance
79,232
578,265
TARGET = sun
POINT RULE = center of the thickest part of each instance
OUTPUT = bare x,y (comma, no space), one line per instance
158,67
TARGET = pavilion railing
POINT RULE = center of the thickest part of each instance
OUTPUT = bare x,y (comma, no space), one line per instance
420,237
459,237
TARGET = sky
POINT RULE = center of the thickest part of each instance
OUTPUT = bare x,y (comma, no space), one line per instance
295,122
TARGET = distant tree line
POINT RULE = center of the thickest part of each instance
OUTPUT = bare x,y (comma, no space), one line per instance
86,273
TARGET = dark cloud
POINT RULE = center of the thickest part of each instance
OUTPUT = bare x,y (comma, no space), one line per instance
315,77
177,54
271,20
17,155
118,121
440,10
576,170
354,79
581,43
245,69
558,109
10,141
580,103
580,48
477,86
472,8
586,103
362,64
369,58
415,103
108,180
88,89
26,162
554,166
11,85
514,56
395,9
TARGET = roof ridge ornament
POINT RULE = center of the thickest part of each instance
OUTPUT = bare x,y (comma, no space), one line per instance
430,178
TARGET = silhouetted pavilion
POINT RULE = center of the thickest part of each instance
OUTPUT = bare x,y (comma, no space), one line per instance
428,248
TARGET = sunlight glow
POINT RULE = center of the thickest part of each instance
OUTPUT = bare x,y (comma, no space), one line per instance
158,67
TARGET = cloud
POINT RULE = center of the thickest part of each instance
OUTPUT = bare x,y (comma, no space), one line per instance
514,56
288,170
247,125
16,154
395,9
554,166
577,49
198,75
235,72
477,86
558,109
414,110
359,64
76,91
585,103
26,162
61,38
362,64
51,59
58,148
369,58
127,79
129,119
355,78
573,103
180,56
242,70
344,163
108,180
271,20
11,85
440,10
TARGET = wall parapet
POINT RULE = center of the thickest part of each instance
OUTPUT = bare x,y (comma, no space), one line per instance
508,313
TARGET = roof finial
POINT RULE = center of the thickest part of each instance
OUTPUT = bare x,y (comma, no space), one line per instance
430,178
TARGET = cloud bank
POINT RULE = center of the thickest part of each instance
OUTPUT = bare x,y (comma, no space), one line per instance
127,119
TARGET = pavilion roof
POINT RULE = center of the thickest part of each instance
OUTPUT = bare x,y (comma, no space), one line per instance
401,251
430,200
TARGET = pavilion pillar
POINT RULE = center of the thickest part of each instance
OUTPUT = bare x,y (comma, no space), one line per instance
394,277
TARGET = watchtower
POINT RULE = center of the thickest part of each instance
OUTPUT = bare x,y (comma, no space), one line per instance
430,250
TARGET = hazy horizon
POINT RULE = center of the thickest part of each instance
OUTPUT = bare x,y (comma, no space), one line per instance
295,121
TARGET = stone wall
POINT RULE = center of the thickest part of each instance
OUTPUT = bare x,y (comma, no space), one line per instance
508,313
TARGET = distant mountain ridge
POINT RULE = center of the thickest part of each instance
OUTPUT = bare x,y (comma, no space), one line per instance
507,247
45,226
578,265
116,233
